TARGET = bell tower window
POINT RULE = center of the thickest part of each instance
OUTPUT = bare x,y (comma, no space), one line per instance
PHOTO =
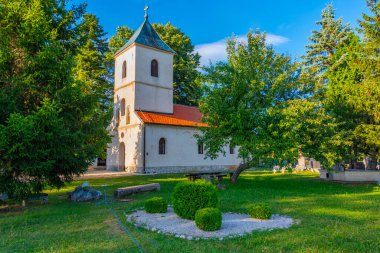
154,68
122,107
124,72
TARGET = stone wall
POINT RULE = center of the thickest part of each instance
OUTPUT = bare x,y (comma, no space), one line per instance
187,169
352,175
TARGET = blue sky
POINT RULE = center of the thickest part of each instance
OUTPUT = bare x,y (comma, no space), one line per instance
208,23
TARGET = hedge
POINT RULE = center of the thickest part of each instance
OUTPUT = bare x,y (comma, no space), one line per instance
189,197
259,211
156,205
208,219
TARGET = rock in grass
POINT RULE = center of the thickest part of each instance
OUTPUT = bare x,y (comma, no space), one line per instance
82,194
3,197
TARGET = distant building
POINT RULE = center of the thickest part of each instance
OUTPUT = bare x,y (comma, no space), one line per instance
308,163
150,133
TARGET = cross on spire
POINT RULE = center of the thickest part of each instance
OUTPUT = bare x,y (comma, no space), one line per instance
146,11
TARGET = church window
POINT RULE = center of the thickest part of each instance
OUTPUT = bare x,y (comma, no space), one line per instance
232,150
128,118
124,72
154,68
200,148
117,117
122,107
162,148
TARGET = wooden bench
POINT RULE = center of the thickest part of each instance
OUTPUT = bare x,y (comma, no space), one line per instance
206,175
121,192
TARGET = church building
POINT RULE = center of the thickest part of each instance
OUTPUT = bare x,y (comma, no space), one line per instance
149,133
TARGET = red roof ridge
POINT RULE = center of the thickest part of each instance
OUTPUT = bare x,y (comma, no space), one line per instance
183,115
192,106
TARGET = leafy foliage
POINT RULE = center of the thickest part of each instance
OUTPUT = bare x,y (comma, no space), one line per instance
156,205
208,219
347,123
186,84
189,197
259,211
54,112
246,103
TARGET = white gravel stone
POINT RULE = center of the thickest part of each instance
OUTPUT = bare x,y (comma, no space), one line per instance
232,224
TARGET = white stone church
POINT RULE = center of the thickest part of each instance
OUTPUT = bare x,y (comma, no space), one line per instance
150,133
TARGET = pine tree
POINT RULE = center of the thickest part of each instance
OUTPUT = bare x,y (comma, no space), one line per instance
332,34
52,78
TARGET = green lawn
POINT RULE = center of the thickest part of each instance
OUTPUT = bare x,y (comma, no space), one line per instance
333,218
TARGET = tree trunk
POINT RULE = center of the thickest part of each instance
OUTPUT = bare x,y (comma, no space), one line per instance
242,167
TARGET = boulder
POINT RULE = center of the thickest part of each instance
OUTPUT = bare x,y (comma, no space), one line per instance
3,197
86,193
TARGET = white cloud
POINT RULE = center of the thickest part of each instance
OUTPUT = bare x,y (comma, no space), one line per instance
216,51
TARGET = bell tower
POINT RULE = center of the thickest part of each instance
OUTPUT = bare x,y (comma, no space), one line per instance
144,72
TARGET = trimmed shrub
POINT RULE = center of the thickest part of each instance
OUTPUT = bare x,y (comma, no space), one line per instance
189,197
208,219
259,211
156,205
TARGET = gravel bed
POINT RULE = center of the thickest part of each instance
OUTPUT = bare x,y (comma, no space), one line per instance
233,224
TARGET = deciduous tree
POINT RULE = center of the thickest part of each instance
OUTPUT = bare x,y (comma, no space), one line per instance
245,104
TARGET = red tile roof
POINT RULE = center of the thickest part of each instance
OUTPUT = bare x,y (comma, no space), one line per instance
183,115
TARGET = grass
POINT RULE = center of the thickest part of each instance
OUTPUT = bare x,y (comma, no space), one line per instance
333,218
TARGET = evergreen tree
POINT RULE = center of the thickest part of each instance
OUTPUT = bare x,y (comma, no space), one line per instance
332,34
348,122
91,71
49,102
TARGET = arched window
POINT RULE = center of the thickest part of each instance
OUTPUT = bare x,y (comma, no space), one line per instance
154,68
162,148
200,148
122,107
124,74
128,118
117,117
232,150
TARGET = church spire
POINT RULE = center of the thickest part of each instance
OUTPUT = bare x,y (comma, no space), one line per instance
146,11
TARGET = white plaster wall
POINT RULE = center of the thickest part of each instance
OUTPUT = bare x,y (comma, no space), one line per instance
129,57
181,149
154,93
113,152
144,56
132,136
153,99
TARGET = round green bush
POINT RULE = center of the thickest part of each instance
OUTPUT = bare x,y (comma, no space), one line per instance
208,219
189,197
259,211
156,205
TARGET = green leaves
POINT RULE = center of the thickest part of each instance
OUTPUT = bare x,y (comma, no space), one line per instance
347,91
246,100
53,86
